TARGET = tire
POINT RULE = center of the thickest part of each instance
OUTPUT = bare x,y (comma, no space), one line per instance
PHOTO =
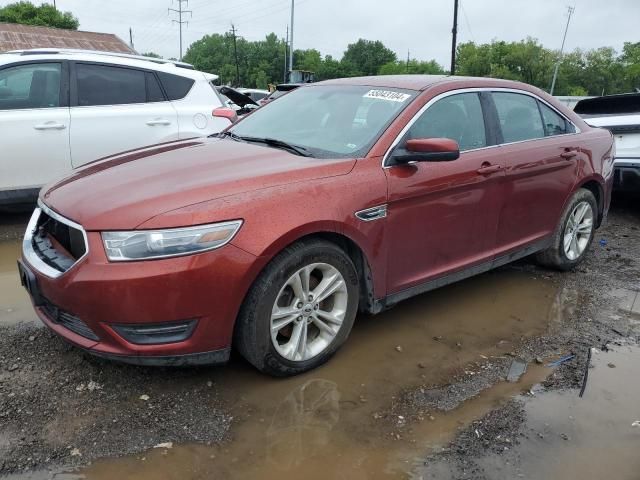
273,294
557,256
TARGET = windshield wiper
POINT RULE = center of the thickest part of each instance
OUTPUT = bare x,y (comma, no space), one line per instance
227,134
274,142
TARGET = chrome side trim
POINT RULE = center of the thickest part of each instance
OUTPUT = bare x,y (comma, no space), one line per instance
27,242
373,213
475,90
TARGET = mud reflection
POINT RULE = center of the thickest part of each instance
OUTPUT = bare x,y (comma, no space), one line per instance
302,424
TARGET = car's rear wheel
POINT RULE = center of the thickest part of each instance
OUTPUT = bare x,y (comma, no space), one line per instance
574,234
300,309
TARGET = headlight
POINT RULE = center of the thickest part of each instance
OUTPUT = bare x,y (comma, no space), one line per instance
148,244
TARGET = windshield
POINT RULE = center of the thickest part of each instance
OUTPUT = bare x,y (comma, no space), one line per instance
328,120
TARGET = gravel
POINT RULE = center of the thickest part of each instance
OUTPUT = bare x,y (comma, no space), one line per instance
59,406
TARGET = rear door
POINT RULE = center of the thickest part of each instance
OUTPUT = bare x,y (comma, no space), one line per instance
442,216
115,108
541,152
34,121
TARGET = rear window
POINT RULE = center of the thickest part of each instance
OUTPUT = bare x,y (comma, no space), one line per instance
611,105
176,87
519,117
154,92
105,85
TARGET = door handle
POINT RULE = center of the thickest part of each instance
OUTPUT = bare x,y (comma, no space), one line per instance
158,121
488,169
50,126
569,154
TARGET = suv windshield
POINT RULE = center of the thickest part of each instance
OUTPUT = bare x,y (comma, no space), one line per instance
328,120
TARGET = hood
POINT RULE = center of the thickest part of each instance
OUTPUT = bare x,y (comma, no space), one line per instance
124,191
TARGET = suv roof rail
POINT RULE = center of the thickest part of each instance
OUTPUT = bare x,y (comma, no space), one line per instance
44,51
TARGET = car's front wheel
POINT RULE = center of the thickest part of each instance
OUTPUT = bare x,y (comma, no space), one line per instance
574,233
300,309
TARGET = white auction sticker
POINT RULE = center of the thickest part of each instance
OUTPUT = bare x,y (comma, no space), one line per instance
387,95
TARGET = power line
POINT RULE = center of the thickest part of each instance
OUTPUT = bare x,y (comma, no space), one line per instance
564,38
180,22
466,20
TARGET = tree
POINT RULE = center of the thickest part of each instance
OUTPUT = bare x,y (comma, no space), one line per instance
413,66
45,15
631,64
365,57
151,55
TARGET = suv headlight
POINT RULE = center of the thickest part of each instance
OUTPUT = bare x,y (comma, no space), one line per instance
149,244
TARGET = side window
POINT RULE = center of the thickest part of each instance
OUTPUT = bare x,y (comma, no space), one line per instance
30,86
519,117
176,87
106,85
154,92
458,117
554,124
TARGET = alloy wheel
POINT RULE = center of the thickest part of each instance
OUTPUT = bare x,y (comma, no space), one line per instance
578,230
308,312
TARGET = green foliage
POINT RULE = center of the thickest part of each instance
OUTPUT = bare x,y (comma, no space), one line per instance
591,72
151,54
45,15
413,66
581,72
365,57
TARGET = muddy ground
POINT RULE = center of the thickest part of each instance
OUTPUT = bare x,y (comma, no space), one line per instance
417,392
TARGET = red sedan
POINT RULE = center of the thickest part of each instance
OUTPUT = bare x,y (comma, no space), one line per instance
343,196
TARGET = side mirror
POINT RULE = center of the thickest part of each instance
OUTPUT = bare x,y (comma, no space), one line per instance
427,150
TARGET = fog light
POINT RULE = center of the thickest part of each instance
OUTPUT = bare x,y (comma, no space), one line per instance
151,334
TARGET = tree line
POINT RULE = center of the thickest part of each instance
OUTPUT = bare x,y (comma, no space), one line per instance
582,72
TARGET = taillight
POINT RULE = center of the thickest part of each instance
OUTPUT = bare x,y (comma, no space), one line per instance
226,112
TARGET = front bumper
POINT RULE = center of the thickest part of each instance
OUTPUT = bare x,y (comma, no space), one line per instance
208,287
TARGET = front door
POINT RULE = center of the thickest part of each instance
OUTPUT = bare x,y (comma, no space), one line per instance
442,216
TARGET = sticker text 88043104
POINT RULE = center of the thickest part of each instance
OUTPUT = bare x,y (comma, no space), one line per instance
387,95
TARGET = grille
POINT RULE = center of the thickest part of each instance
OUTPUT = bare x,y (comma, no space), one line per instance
68,320
57,244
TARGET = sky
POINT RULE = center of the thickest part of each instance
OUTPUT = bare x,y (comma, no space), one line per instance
422,27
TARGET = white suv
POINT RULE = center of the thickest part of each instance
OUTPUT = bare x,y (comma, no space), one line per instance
60,109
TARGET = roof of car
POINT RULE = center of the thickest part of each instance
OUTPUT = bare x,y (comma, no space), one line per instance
116,58
413,82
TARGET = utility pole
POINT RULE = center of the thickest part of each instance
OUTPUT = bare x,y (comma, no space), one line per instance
235,53
564,38
407,60
180,22
454,32
131,38
291,39
286,43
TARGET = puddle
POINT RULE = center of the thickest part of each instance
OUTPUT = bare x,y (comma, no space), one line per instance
321,424
587,438
15,305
